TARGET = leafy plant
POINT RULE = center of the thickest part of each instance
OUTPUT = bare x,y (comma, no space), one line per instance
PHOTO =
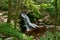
30,4
8,30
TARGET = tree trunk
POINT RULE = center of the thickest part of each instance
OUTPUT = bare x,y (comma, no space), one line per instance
9,11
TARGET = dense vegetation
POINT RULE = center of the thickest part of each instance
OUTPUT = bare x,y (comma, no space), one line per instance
35,9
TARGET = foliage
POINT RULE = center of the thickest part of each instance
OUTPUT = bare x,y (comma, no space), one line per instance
30,4
4,4
8,30
49,36
48,7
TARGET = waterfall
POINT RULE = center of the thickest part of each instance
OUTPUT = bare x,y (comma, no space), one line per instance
27,22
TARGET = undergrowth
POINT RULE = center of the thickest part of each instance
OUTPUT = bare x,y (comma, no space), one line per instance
8,30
